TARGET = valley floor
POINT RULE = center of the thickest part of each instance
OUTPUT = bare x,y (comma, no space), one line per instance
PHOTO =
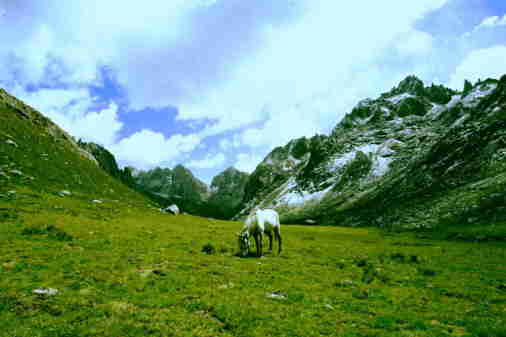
125,269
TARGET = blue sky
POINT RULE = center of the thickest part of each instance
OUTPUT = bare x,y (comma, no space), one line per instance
216,83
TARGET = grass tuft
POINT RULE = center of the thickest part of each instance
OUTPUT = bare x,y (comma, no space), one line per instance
50,231
208,248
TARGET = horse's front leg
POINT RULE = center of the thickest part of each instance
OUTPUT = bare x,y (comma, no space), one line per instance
258,244
261,244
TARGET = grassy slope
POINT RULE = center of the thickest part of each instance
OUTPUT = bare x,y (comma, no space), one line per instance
126,270
50,163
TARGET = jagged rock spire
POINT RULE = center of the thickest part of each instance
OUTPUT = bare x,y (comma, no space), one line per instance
411,84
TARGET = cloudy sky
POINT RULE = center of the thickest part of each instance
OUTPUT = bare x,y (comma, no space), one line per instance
218,83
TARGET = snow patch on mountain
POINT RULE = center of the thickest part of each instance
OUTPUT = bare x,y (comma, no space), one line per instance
398,98
474,97
290,196
290,163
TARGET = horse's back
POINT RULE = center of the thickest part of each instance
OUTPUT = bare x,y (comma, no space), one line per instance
269,218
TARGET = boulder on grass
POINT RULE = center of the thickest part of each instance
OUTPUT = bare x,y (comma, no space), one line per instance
172,209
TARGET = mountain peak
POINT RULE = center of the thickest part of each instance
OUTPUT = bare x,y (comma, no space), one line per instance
411,84
231,169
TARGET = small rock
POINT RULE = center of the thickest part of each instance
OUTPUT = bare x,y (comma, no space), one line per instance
97,201
276,295
64,193
11,142
46,291
173,209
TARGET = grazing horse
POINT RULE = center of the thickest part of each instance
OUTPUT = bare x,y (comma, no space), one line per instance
260,222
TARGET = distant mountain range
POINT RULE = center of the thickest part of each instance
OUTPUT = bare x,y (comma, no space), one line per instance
415,157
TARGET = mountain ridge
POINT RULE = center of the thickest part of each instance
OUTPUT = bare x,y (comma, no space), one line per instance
343,177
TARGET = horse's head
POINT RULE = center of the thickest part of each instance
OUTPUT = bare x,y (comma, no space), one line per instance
243,240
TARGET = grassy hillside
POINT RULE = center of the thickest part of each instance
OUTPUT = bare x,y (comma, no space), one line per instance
122,269
38,155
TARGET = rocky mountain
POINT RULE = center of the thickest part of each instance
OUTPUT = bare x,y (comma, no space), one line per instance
177,185
226,192
180,186
107,162
416,156
36,154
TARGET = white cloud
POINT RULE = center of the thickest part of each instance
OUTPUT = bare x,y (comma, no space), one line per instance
307,75
492,21
146,148
81,36
414,42
480,64
487,25
72,109
264,60
230,143
100,127
211,161
247,162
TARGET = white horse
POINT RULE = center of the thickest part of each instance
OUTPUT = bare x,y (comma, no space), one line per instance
260,222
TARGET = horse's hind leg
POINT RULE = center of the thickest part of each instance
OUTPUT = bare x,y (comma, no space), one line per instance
269,234
277,233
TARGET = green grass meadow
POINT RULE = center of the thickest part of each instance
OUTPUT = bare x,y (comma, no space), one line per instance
122,268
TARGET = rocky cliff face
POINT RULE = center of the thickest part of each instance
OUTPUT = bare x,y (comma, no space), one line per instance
177,186
181,187
413,157
226,192
108,163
